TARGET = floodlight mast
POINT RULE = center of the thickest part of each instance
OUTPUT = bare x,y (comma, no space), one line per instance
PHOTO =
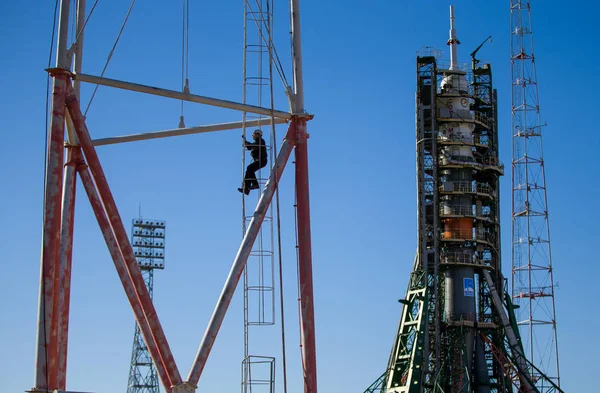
57,235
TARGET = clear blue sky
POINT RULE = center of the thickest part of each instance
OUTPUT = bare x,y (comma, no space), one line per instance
359,60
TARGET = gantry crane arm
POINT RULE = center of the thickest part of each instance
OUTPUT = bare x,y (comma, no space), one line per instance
474,61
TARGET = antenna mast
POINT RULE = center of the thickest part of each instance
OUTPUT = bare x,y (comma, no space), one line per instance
532,274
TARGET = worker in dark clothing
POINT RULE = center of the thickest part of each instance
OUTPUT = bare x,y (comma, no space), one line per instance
258,151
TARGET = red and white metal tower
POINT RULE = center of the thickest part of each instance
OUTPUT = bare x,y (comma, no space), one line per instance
532,273
78,157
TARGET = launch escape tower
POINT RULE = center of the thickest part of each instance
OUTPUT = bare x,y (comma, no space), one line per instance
532,274
148,242
457,332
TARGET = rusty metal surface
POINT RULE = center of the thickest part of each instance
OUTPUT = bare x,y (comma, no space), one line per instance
141,296
66,254
307,311
47,345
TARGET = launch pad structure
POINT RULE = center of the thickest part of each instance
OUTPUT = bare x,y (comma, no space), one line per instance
458,332
77,156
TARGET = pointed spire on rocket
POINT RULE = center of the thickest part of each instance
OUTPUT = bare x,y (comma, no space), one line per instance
453,42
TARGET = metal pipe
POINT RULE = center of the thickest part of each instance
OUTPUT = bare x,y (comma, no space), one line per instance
298,101
513,341
71,137
77,48
302,196
47,345
185,131
66,254
242,256
63,59
116,223
182,96
305,261
78,58
121,268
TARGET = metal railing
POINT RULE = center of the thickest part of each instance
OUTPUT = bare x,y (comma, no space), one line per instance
457,210
482,161
464,115
467,187
459,137
463,210
457,257
467,234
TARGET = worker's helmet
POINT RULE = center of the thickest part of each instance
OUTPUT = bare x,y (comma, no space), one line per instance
257,133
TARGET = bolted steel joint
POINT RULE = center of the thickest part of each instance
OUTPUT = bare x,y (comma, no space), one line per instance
304,115
58,71
184,387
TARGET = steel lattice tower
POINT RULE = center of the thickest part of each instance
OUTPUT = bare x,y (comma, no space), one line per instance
532,274
148,242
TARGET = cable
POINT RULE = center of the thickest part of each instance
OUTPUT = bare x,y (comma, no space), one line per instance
278,67
187,44
185,39
86,21
112,51
73,22
277,208
182,52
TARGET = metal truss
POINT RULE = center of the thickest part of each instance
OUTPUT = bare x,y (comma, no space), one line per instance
81,158
405,369
532,271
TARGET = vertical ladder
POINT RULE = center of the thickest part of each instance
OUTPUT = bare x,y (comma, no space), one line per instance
258,370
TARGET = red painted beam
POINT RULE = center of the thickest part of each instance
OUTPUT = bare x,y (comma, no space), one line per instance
164,354
307,312
47,344
117,257
66,254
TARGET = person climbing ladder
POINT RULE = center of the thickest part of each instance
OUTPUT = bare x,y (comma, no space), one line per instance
258,152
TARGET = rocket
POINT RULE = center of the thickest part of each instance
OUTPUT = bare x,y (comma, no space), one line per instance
459,212
457,330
